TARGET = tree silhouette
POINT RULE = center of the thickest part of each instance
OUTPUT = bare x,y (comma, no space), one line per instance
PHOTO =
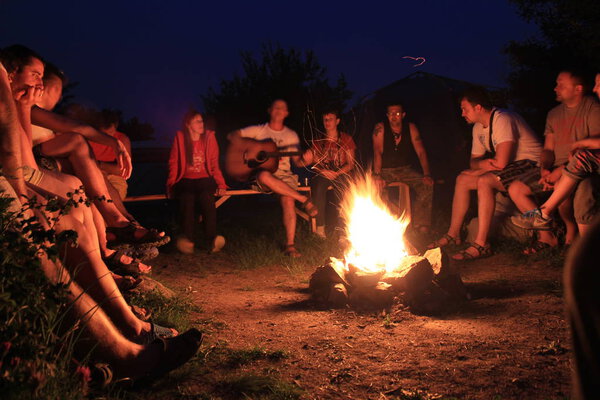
290,74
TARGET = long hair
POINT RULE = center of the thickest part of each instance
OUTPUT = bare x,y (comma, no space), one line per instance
187,137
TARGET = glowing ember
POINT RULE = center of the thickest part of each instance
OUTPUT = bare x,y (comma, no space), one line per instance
375,235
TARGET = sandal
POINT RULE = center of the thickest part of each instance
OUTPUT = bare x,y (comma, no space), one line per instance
174,352
310,208
126,235
291,251
537,247
143,314
115,263
449,240
482,252
125,283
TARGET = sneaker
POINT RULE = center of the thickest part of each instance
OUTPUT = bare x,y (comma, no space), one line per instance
532,220
218,243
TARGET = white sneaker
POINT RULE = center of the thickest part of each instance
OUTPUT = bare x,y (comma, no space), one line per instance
218,243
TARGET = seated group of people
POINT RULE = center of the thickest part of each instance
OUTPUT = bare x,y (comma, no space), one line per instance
58,163
507,157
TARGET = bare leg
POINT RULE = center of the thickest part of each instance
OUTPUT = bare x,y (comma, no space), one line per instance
465,182
289,218
565,210
91,274
562,190
278,186
75,148
487,186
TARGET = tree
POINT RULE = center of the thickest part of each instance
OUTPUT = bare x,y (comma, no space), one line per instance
289,74
570,39
135,129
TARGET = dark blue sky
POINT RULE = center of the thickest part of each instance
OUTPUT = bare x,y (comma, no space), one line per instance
155,58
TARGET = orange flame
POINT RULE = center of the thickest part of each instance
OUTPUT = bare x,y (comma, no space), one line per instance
375,235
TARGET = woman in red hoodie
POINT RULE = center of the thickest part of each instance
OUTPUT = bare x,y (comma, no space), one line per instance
195,178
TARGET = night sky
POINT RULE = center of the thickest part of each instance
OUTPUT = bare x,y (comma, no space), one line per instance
153,59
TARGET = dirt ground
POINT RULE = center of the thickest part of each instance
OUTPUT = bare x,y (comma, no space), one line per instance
510,341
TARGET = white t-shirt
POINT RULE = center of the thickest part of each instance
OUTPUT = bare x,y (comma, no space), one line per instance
41,135
508,126
285,139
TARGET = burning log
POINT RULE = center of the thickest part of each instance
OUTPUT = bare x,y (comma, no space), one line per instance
379,296
413,274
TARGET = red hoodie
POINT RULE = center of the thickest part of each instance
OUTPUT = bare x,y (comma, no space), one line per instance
177,160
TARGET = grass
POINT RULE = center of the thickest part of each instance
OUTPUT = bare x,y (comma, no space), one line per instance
173,312
251,386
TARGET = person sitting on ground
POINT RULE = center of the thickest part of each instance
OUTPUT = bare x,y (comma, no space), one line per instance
25,69
195,178
332,158
584,162
514,148
26,85
283,182
396,145
89,272
576,118
106,157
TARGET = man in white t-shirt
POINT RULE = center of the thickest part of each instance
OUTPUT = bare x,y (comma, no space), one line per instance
282,182
504,149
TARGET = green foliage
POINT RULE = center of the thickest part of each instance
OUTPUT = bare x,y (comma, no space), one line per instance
36,344
259,387
290,74
168,312
570,38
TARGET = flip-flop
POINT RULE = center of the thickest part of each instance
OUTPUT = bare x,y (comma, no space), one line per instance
126,282
114,263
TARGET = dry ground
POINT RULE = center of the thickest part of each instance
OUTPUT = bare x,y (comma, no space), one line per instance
510,341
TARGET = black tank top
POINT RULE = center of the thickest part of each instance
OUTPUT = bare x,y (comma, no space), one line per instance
400,155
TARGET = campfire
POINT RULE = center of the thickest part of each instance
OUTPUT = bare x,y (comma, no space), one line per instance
379,264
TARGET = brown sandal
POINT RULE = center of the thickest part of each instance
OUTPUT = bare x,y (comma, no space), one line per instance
310,208
482,252
438,243
126,235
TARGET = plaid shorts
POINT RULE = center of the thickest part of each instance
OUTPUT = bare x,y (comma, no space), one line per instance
526,171
583,164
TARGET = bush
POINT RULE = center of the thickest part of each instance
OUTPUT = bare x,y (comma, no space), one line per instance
35,347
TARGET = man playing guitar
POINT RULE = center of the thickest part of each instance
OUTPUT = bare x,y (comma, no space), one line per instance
281,182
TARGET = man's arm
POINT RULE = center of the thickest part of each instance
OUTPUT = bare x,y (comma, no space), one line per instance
61,124
10,132
420,149
377,148
589,143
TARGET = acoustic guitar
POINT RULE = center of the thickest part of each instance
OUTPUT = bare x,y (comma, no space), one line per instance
245,156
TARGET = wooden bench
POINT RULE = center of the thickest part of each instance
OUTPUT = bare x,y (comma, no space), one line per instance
403,200
239,192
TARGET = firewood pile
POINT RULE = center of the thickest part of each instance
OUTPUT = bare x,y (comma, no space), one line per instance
425,283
